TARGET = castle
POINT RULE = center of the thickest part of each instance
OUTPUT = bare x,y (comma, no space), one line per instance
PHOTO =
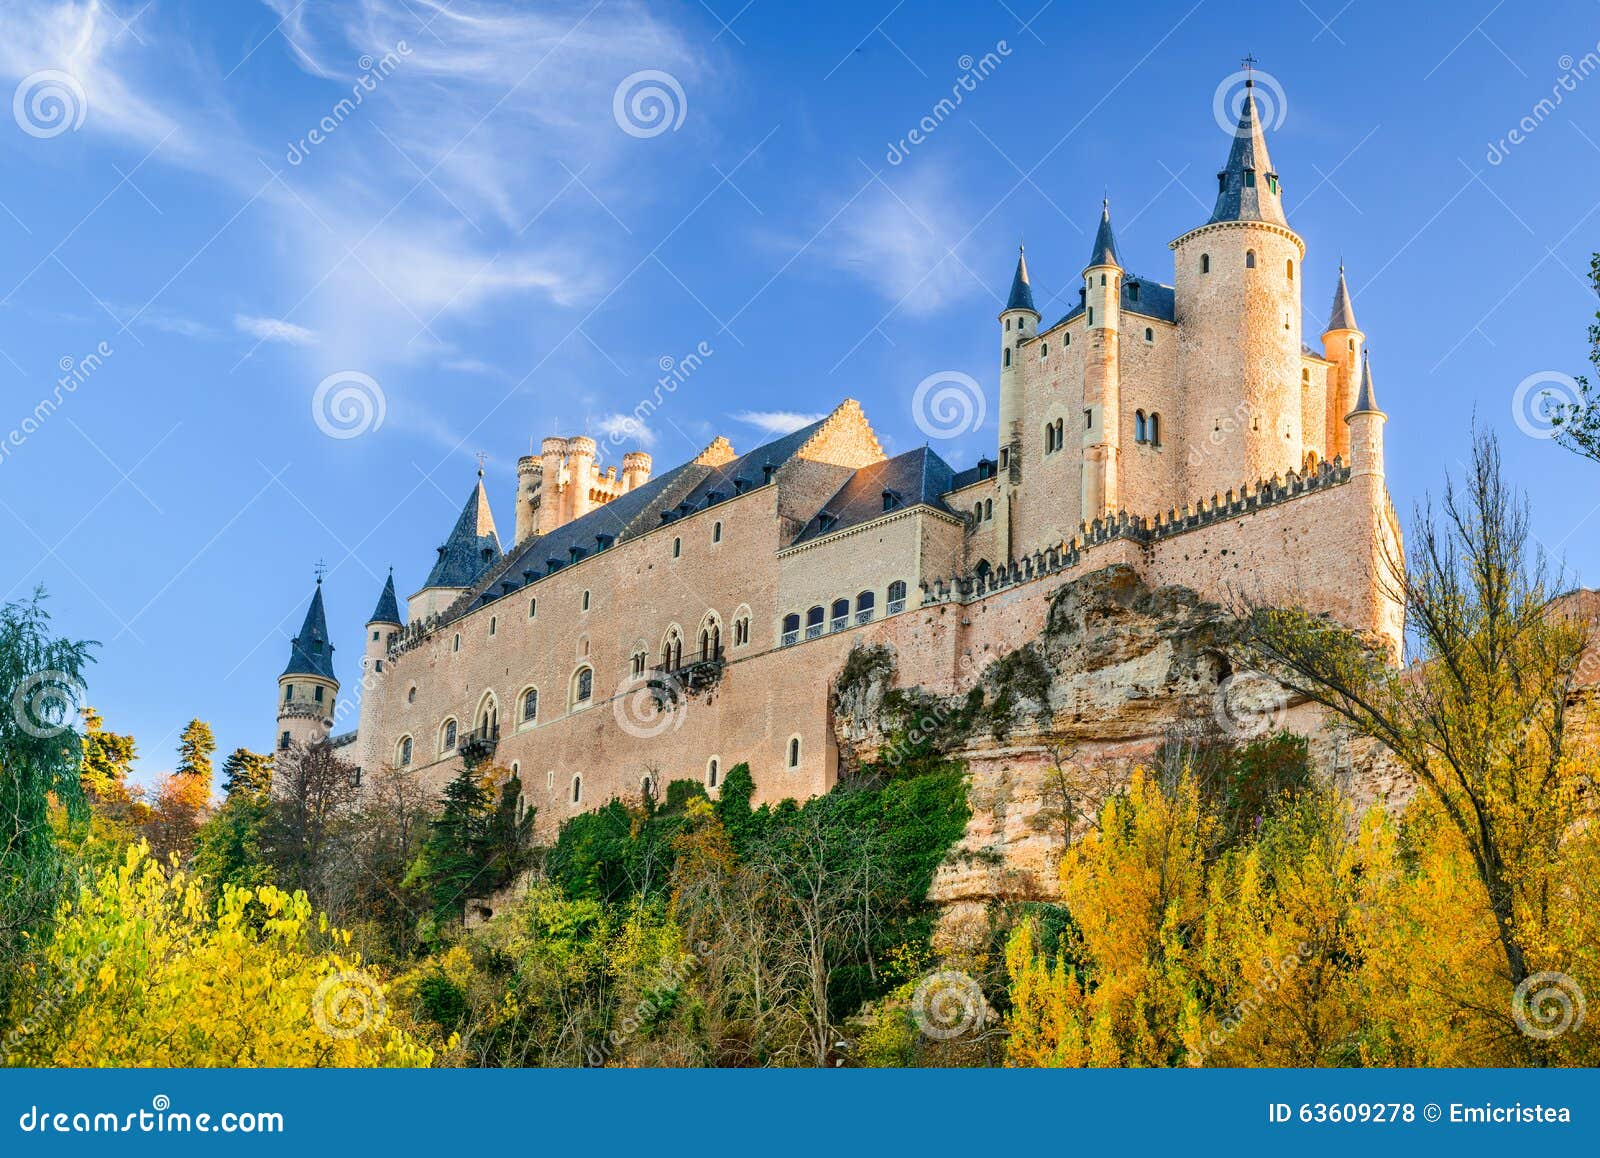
645,628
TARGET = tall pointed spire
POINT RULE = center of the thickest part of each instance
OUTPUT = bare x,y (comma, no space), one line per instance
1343,315
1247,187
1021,292
388,609
1366,398
310,653
473,545
1105,241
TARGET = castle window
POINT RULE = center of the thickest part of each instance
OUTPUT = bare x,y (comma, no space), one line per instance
1102,279
977,512
672,650
791,630
814,618
1049,437
1091,315
1005,457
586,601
988,508
582,686
716,532
677,548
897,597
316,693
1044,350
840,619
456,643
530,706
533,607
403,755
1149,334
577,789
494,624
712,770
1007,359
1061,438
1154,429
1250,178
741,631
288,692
865,602
1066,339
447,737
1249,259
283,742
378,667
637,663
1088,419
1289,268
374,637
1205,263
1008,323
794,751
1138,426
1352,345
550,780
411,694
1133,291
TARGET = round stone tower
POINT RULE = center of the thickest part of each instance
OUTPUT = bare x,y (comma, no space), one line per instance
1237,281
1019,321
530,470
580,468
635,469
552,454
307,689
1342,344
1102,375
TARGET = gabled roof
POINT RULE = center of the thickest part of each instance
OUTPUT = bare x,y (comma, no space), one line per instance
1139,296
473,546
1343,315
1021,292
388,609
1105,241
1247,185
918,477
310,653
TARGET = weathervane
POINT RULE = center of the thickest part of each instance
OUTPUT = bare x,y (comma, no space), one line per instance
321,569
482,456
1249,61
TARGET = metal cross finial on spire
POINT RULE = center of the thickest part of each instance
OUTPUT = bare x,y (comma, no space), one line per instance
1249,62
482,456
321,569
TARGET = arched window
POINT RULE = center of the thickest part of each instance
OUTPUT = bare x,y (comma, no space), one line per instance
456,644
577,789
530,706
794,752
672,650
814,618
865,602
487,722
288,692
494,624
533,606
977,512
1305,377
839,617
1007,360
403,753
447,736
1138,426
582,686
1154,429
1008,323
1249,259
713,768
1049,437
677,548
1289,268
791,629
897,597
411,694
1061,438
1044,350
1205,263
988,508
710,639
1149,334
585,604
716,532
741,628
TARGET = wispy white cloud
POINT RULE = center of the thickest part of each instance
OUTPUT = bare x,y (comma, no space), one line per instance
777,422
166,321
625,428
274,330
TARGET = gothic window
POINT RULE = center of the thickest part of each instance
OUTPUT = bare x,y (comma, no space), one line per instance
1249,259
1154,429
403,755
582,686
977,512
1102,279
713,767
1066,339
1049,438
1091,315
577,789
1138,426
791,629
447,737
897,596
794,751
741,627
530,706
672,650
1008,323
1205,263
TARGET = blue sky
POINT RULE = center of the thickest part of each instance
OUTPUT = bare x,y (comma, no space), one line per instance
484,240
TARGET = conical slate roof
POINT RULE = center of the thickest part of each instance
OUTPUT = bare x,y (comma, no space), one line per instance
1105,241
1021,292
1343,315
388,609
1366,399
473,546
1248,186
310,653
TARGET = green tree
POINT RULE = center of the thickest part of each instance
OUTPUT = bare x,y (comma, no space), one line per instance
107,761
228,847
476,844
195,749
1577,423
246,771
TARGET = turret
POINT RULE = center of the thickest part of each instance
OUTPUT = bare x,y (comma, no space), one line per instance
1365,423
635,469
529,475
1102,374
580,474
552,455
383,628
1019,321
1342,344
472,548
1237,282
307,689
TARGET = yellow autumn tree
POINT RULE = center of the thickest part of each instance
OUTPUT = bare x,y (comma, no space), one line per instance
143,971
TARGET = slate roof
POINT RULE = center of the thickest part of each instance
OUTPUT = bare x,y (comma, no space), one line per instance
751,467
388,609
310,653
1105,241
918,477
965,478
1343,315
1021,292
1154,300
1366,399
473,546
1247,186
